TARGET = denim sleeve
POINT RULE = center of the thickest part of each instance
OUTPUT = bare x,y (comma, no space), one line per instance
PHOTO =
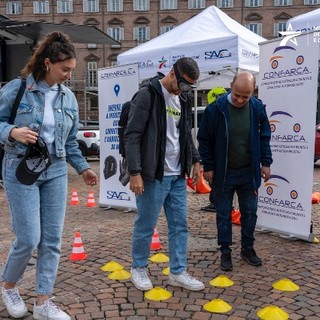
73,153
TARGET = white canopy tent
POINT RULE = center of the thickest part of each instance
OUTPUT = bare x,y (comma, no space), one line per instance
219,44
305,22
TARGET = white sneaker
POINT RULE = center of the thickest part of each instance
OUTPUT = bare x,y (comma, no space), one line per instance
49,311
13,302
184,280
140,279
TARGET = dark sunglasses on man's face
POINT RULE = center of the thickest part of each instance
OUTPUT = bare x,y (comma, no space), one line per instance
183,84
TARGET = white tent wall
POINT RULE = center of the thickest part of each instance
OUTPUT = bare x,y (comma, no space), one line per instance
219,44
305,22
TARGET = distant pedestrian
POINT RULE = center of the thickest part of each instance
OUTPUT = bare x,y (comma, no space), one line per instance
44,130
160,153
234,144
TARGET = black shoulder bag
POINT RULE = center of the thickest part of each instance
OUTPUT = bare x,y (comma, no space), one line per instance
12,117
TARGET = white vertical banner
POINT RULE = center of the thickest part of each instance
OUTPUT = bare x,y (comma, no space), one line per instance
116,85
288,86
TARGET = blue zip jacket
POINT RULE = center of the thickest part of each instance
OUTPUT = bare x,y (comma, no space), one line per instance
30,112
213,137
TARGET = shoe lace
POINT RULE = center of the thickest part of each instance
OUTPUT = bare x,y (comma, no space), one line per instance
142,273
50,307
187,276
14,296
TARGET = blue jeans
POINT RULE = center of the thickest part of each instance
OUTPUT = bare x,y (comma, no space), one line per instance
239,181
171,193
37,216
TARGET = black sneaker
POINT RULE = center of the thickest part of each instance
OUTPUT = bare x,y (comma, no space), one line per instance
211,207
226,261
251,257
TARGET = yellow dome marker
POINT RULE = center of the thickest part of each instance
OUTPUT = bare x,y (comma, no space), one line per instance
119,275
157,294
159,258
166,271
315,240
272,313
111,266
221,281
285,285
217,306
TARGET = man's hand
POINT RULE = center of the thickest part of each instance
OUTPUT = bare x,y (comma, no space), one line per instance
265,173
136,184
209,175
89,177
195,173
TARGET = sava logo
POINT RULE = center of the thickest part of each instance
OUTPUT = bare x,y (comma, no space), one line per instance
114,195
223,53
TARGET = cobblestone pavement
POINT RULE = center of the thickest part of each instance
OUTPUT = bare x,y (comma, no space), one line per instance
86,292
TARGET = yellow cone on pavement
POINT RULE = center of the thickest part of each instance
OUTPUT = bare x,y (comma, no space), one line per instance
112,266
157,294
272,313
217,306
221,281
119,275
159,258
166,271
285,285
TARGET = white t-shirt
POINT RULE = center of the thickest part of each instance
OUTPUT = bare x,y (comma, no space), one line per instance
172,164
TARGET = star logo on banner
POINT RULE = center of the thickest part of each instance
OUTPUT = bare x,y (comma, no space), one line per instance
289,35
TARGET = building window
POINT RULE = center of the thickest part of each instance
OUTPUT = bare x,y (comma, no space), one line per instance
92,74
196,4
310,2
115,5
40,7
165,29
168,4
90,5
141,34
254,3
65,6
255,27
225,3
278,27
283,2
116,33
141,5
14,7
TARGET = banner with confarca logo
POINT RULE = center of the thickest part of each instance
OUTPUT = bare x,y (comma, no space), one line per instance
116,85
288,86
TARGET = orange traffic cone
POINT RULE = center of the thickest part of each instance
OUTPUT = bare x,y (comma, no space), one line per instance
91,202
189,183
202,186
74,198
78,250
155,242
235,216
315,197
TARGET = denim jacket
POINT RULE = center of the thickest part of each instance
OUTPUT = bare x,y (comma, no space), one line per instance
30,114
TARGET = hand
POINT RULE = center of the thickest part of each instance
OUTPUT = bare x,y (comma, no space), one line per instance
136,184
209,175
24,135
89,177
195,173
265,173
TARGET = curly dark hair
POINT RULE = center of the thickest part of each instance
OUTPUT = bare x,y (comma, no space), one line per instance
56,46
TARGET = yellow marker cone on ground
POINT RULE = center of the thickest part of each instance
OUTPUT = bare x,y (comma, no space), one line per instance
157,294
112,266
159,258
285,285
316,240
119,275
272,313
221,281
166,271
217,306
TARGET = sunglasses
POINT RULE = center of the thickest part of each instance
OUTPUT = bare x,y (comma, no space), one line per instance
183,84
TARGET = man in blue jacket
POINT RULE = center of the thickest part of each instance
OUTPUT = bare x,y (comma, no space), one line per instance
234,145
160,153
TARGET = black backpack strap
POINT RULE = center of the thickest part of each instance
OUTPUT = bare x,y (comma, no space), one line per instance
17,100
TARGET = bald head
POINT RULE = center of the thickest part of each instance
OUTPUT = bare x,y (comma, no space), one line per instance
242,88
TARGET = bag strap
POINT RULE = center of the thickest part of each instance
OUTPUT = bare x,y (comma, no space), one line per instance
17,101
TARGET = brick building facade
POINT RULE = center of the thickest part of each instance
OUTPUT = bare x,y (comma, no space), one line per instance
132,22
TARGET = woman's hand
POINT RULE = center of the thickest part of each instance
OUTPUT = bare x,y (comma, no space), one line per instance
89,177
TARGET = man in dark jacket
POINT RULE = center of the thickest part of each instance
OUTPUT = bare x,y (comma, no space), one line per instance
160,153
234,144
